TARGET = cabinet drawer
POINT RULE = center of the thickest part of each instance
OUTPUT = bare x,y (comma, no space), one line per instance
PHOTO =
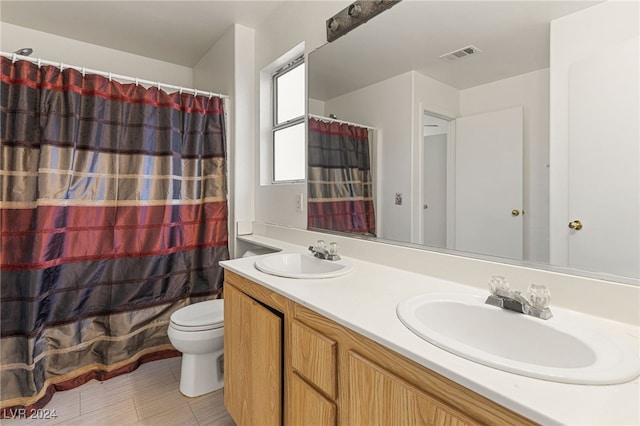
313,356
308,407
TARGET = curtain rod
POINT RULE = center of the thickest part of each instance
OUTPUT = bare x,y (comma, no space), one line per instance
335,120
14,57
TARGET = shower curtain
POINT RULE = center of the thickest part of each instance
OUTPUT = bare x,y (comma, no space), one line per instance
113,215
339,182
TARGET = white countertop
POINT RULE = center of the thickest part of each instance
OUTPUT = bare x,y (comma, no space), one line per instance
365,301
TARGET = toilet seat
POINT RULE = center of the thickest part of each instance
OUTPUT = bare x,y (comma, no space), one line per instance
199,316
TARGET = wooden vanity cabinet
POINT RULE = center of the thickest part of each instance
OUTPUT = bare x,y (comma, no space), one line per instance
335,376
253,345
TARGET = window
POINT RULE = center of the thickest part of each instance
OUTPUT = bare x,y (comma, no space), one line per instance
288,122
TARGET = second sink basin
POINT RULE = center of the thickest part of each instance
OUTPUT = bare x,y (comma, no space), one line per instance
559,349
302,265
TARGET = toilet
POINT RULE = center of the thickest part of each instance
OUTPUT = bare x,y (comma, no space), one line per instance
197,331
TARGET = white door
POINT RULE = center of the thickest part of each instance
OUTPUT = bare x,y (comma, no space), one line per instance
488,184
603,148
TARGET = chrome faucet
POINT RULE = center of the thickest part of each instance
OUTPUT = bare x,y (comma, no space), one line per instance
321,252
536,302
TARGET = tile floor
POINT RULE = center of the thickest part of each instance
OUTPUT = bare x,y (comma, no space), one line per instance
149,395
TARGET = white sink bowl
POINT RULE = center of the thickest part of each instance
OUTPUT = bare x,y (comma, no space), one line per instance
560,349
302,265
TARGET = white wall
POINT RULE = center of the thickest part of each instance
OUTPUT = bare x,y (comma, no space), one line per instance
228,68
316,107
573,38
54,48
244,95
531,91
436,98
215,70
293,23
387,107
401,137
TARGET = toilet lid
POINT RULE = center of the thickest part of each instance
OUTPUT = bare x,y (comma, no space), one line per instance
200,314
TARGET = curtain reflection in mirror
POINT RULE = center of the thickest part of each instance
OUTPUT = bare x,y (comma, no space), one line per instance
340,182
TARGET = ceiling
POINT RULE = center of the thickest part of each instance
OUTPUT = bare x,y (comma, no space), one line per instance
513,37
179,32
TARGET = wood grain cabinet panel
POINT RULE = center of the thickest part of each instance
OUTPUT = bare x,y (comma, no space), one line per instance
307,407
378,397
313,356
252,360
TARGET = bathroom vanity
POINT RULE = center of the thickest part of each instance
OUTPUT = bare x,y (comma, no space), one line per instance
332,351
285,361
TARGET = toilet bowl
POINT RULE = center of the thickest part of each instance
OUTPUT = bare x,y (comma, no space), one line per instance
197,331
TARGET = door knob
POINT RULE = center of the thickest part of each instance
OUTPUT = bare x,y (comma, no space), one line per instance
575,224
515,212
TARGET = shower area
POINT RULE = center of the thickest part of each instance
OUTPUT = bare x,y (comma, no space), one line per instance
113,215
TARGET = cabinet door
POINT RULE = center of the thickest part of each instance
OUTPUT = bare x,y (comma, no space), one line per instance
252,360
377,397
308,407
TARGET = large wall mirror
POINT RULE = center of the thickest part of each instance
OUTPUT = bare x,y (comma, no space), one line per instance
483,135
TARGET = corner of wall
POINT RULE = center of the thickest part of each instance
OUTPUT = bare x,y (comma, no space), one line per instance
244,156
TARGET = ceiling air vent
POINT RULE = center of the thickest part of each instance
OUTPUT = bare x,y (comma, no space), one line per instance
460,53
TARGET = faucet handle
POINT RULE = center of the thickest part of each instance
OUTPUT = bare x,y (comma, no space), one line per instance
499,286
539,296
320,244
333,248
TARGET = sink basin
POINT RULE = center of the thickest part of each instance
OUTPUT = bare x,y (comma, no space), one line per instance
560,349
302,265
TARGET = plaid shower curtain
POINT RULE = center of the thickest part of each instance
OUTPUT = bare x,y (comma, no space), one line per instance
113,215
339,182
